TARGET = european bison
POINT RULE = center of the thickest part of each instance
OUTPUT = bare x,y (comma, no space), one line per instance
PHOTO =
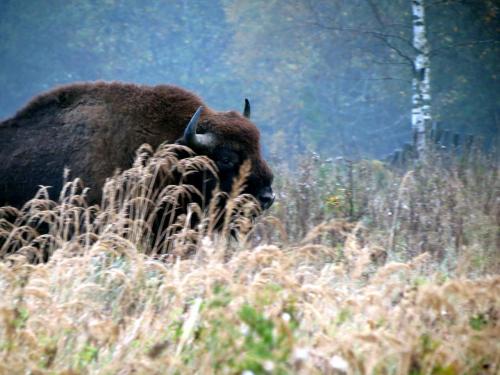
95,128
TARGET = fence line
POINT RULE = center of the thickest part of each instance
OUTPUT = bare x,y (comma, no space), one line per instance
439,139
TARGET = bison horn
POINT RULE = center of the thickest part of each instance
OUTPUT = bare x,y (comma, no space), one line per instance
194,140
246,111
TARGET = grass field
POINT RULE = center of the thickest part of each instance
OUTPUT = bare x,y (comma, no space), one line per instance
357,269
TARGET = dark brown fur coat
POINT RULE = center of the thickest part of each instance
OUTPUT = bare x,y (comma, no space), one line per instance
95,128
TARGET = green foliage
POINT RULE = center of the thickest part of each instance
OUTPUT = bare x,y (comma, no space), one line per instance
478,322
429,344
259,340
88,354
22,316
343,316
248,340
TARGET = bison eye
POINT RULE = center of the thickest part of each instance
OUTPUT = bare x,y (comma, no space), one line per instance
227,160
225,163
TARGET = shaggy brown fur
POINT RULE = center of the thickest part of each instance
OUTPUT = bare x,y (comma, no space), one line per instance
95,128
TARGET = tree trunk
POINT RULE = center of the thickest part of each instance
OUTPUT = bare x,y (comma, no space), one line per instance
421,99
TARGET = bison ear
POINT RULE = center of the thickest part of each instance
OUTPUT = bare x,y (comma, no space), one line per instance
246,111
196,141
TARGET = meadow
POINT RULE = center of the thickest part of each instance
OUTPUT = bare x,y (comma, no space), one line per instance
358,268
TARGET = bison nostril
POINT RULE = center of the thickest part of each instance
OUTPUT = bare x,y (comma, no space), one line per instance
266,198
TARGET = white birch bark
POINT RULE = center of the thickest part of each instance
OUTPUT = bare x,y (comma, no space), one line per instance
421,99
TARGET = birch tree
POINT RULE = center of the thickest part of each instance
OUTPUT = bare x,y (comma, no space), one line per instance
421,83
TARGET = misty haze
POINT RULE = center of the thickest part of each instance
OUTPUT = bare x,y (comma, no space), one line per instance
250,187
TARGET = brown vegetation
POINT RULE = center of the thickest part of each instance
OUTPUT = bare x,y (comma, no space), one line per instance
373,271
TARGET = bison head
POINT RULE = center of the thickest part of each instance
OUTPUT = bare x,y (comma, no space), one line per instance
229,139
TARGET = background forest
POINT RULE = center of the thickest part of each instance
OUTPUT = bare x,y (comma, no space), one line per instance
333,77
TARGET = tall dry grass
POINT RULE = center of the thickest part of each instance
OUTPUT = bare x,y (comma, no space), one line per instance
447,205
358,269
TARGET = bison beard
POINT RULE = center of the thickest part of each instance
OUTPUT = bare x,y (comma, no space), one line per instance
94,129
